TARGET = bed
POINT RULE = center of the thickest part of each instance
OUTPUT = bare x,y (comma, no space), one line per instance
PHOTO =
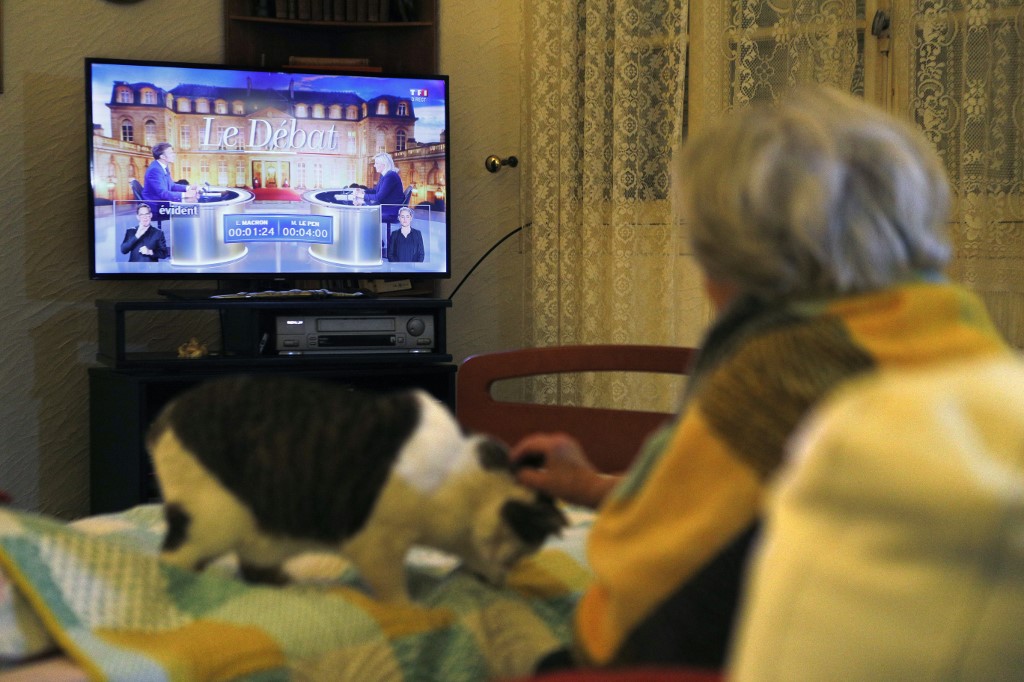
90,600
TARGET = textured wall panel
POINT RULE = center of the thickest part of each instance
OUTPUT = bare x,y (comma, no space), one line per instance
480,44
47,310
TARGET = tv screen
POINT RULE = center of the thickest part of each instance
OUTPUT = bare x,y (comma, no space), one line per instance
213,172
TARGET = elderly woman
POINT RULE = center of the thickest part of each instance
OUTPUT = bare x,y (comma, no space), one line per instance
820,227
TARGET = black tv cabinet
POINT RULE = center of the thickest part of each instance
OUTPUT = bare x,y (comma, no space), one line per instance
134,382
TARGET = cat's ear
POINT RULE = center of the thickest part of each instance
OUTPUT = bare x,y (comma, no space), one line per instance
534,521
493,455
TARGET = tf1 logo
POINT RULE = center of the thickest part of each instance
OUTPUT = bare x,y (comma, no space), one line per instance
418,94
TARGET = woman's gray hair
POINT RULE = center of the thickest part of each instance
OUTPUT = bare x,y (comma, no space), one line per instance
820,195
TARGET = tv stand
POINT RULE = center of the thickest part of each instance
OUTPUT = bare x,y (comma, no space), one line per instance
291,295
267,294
140,372
189,294
266,289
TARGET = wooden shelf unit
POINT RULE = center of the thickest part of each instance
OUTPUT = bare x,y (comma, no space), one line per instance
128,392
394,46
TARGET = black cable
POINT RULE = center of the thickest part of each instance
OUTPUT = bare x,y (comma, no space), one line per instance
481,259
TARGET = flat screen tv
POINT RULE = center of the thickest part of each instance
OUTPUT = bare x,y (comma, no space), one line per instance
212,172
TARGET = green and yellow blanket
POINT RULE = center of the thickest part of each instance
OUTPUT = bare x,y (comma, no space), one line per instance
96,591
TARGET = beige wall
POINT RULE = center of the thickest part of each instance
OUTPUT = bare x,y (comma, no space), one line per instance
46,299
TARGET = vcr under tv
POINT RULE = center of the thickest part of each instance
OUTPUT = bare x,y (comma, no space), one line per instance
368,333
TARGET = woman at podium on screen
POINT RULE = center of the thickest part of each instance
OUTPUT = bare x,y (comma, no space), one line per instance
388,193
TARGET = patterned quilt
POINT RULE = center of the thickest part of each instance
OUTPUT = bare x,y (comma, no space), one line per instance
95,590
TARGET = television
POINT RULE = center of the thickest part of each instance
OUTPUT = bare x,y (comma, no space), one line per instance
266,175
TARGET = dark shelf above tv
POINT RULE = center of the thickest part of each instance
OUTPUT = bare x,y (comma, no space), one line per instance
393,46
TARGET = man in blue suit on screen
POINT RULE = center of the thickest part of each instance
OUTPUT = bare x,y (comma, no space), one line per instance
158,185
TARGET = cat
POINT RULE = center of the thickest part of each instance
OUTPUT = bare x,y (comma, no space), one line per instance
270,467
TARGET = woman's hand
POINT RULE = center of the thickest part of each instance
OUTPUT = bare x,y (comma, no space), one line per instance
555,463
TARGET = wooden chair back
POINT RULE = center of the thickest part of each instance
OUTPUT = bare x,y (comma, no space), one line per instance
610,437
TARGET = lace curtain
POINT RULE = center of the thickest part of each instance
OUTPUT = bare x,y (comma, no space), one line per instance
954,67
605,95
963,65
746,51
604,110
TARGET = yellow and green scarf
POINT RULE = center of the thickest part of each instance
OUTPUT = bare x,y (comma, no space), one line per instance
698,484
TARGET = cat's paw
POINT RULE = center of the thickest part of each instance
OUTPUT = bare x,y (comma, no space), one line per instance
267,575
